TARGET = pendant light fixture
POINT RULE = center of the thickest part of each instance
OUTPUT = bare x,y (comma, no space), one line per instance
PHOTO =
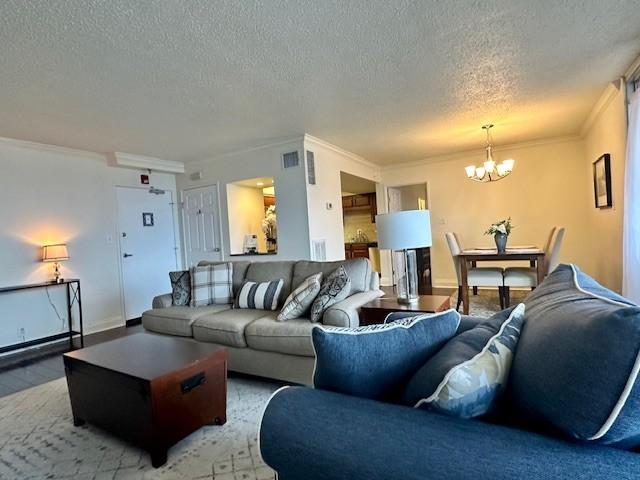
490,171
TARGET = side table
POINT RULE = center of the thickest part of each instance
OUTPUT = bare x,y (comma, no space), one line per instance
377,310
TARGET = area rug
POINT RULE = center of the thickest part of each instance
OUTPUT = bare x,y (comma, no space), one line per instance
486,303
38,441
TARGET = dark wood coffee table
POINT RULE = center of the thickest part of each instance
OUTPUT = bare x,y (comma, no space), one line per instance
148,389
377,310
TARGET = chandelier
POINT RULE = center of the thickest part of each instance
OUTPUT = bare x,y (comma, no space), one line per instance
490,171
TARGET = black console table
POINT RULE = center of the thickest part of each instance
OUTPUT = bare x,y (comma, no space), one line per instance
73,298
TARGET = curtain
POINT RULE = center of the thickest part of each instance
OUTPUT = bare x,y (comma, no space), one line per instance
631,225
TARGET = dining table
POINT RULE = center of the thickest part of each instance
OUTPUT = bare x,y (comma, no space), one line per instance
468,258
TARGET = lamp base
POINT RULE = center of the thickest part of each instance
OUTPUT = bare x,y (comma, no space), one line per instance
407,301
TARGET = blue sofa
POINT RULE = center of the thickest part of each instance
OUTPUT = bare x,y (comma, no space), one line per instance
309,434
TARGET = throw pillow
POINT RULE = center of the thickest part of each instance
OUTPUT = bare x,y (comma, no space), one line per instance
376,361
259,295
212,284
578,359
335,288
466,376
180,287
300,300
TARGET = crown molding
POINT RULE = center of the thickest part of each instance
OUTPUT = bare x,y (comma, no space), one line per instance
603,102
479,151
275,143
633,72
45,147
141,162
340,151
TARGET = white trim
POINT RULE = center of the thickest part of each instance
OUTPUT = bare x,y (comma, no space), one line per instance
603,102
264,410
346,153
633,375
446,157
633,71
519,309
276,143
142,162
14,142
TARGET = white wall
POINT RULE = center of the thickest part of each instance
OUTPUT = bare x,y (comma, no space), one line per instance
607,133
49,194
548,187
327,223
246,209
291,194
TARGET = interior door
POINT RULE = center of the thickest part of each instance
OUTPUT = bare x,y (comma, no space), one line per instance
201,213
147,246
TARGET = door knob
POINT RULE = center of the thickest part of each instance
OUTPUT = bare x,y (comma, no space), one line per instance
126,255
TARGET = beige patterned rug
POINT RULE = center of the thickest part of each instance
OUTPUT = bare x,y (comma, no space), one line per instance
38,441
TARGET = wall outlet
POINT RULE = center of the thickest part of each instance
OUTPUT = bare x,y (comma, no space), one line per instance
442,221
21,334
109,239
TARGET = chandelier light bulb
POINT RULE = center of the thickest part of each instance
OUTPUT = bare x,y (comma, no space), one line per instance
490,171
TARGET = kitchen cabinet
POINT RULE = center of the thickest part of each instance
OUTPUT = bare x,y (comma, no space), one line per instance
365,201
356,250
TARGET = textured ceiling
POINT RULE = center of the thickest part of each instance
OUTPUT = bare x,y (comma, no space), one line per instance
392,81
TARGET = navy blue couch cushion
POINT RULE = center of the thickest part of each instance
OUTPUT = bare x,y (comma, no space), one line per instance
466,377
318,435
577,361
376,361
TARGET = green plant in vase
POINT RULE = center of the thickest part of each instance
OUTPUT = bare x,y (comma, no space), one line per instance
500,231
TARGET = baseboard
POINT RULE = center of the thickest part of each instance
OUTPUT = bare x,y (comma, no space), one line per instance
102,325
133,322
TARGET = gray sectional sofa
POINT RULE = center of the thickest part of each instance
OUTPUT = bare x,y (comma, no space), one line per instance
258,344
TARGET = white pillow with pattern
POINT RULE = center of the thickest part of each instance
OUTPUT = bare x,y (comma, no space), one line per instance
299,301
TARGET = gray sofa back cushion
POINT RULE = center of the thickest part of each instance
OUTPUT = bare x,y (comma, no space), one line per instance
358,269
239,272
268,271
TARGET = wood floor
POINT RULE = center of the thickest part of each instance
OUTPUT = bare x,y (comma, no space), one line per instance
22,372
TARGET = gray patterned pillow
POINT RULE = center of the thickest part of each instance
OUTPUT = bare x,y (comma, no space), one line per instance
336,287
181,287
300,300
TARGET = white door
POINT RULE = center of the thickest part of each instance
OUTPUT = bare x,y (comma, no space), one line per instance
147,246
201,223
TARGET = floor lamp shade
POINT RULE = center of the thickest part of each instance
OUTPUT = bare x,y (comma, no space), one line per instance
405,231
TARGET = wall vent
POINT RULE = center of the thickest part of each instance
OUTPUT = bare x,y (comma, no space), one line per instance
290,160
311,168
319,250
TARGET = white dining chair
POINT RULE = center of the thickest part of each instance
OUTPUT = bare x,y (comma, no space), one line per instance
476,276
528,276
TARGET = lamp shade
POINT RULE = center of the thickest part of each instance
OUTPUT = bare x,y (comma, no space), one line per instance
404,230
55,253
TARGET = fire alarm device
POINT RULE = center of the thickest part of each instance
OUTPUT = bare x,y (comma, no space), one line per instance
144,179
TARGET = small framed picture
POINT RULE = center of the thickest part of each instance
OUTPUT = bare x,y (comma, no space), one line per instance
602,181
147,219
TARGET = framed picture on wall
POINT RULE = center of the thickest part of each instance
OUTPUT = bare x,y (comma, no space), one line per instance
602,181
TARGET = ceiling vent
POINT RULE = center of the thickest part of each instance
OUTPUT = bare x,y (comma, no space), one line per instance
290,160
311,168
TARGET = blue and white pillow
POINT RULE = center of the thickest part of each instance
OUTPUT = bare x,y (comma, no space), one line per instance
578,361
467,375
376,361
261,296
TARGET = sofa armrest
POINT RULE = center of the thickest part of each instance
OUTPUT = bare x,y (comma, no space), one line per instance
345,313
374,282
162,301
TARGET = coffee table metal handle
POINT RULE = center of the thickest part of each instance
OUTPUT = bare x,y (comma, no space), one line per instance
192,382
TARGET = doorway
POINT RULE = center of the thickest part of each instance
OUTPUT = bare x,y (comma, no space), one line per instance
148,250
201,225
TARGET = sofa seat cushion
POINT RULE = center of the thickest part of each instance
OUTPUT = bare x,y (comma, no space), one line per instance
292,337
177,320
226,327
320,435
358,270
577,362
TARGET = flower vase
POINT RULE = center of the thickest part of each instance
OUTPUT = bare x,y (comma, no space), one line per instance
501,241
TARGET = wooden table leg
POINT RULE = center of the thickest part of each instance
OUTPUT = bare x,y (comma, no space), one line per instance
465,285
540,269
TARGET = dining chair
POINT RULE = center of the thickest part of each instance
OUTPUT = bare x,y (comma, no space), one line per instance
473,264
527,276
477,276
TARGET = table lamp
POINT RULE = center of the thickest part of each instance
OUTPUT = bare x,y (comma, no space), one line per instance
55,253
404,231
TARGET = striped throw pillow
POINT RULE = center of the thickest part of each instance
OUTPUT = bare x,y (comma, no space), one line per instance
261,296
